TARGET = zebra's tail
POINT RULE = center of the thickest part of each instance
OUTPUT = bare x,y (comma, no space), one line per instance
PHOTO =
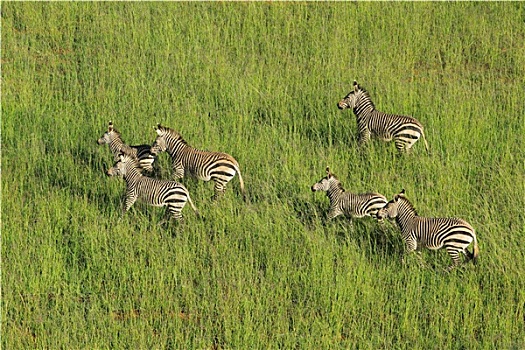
193,205
475,253
425,141
241,182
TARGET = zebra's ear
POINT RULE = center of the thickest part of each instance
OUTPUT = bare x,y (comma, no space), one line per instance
356,86
399,195
110,126
328,173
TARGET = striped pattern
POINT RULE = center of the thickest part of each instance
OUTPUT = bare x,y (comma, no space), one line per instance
404,130
155,192
113,138
203,165
455,235
349,204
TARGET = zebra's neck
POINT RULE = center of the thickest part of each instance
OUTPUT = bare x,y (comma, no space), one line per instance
335,191
175,145
132,174
116,144
405,213
364,105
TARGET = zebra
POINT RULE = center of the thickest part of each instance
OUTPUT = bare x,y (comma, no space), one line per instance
152,191
434,233
350,204
203,165
404,130
113,138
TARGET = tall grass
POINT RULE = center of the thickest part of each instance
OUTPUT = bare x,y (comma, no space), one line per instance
261,82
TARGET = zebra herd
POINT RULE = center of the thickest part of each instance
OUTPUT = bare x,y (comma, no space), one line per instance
136,163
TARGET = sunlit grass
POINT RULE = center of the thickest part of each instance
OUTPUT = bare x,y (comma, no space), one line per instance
260,82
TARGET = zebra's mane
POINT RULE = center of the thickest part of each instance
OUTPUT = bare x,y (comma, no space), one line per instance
338,183
118,134
408,205
366,95
176,135
127,152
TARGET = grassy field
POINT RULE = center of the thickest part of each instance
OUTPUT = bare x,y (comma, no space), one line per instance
260,81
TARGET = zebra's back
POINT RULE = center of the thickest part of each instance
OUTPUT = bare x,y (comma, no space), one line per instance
206,165
363,204
144,156
388,126
158,192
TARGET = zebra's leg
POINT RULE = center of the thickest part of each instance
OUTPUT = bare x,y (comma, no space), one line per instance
131,198
454,254
332,213
401,146
219,189
468,254
175,212
364,137
410,246
178,171
420,258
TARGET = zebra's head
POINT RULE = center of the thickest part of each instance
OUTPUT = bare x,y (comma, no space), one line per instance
326,183
390,210
108,135
124,163
165,140
352,99
160,144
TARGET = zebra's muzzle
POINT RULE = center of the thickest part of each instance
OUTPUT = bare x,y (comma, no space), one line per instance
101,141
341,105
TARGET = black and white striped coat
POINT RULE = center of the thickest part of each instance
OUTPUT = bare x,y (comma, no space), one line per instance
203,165
152,191
404,130
347,203
455,235
114,140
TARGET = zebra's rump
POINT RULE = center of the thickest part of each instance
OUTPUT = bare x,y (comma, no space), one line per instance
449,232
142,153
407,132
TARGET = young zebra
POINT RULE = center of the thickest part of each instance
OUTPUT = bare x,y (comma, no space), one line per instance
403,129
155,192
116,145
203,165
349,204
434,233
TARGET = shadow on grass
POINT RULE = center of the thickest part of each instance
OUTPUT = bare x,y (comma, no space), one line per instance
377,239
309,214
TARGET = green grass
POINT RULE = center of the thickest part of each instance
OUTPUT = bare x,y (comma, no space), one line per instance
260,81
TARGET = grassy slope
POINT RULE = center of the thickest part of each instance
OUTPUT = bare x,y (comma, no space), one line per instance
259,81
